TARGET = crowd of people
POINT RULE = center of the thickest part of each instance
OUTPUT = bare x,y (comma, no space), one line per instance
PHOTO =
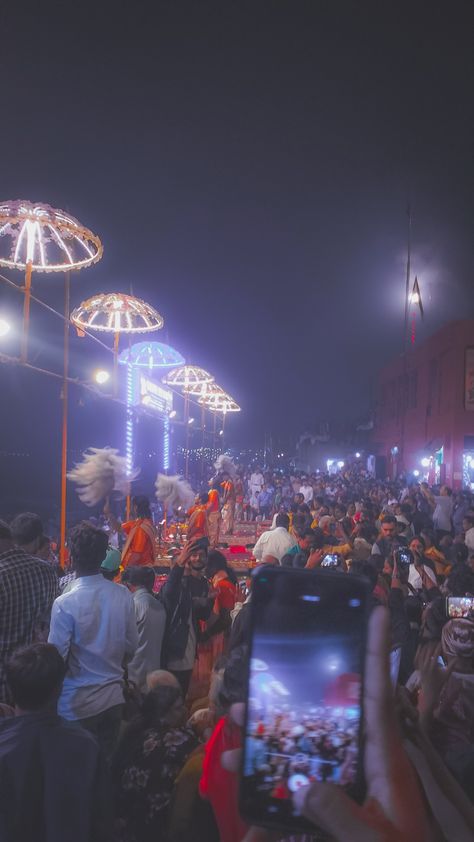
133,689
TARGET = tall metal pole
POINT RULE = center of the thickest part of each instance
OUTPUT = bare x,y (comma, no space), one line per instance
26,313
407,281
186,421
403,395
62,549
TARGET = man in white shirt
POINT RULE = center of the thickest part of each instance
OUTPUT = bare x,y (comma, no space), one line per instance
468,527
443,513
256,482
307,491
275,542
93,627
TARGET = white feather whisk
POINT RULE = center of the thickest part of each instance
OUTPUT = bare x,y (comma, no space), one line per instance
225,465
174,491
101,472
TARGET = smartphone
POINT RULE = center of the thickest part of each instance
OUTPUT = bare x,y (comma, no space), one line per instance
304,691
460,607
404,557
330,560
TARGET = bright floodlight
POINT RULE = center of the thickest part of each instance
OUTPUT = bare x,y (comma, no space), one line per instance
414,298
172,414
151,355
190,420
101,376
187,377
425,462
340,464
4,327
44,238
357,456
115,312
416,472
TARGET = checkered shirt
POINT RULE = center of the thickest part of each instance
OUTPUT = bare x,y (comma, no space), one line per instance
28,588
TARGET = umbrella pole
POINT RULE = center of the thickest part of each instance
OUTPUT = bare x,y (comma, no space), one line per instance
26,313
116,351
62,549
186,421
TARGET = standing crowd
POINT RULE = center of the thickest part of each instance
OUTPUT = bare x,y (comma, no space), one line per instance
119,705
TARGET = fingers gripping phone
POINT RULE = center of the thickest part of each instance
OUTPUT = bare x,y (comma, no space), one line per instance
304,699
460,607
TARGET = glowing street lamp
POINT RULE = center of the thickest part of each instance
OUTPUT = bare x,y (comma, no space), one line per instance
102,377
116,313
4,327
38,238
220,402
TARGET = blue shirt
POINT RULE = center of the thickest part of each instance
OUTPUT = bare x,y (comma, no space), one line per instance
93,626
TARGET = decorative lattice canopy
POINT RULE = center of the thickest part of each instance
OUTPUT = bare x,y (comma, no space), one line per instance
115,312
187,377
151,355
48,239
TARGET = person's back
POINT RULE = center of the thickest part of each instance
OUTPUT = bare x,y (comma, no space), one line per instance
28,587
90,625
150,615
93,627
38,801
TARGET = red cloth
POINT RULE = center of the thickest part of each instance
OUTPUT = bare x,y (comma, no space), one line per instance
221,787
213,500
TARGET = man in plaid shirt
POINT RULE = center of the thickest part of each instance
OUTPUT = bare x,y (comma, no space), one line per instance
28,588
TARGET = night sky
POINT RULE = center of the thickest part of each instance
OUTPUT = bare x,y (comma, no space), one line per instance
248,166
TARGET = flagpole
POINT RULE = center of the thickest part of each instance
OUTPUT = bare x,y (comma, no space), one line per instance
404,390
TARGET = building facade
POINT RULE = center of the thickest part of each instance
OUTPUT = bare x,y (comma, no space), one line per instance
424,420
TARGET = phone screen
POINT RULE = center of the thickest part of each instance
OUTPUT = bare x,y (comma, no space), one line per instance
460,607
330,560
304,689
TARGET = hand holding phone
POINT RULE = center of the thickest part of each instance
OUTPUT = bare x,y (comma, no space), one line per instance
304,689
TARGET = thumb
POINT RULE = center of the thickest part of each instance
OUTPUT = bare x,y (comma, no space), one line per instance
328,807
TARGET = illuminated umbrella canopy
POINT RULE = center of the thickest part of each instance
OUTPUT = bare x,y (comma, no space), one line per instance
187,377
44,238
151,355
116,313
220,402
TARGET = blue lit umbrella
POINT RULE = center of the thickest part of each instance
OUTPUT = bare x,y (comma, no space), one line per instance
151,355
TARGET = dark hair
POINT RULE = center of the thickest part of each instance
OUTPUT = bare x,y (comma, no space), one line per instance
156,704
26,528
142,505
34,673
367,569
5,531
470,518
282,520
203,498
318,538
418,538
88,546
136,576
389,519
233,680
305,533
461,580
460,553
217,561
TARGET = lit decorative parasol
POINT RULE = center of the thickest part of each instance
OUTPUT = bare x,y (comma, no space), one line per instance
188,378
46,238
147,355
116,313
151,355
219,401
37,237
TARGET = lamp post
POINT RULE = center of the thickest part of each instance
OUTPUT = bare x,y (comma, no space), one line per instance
147,356
220,402
186,378
35,237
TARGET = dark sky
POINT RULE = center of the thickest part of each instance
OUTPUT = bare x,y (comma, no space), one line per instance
248,165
